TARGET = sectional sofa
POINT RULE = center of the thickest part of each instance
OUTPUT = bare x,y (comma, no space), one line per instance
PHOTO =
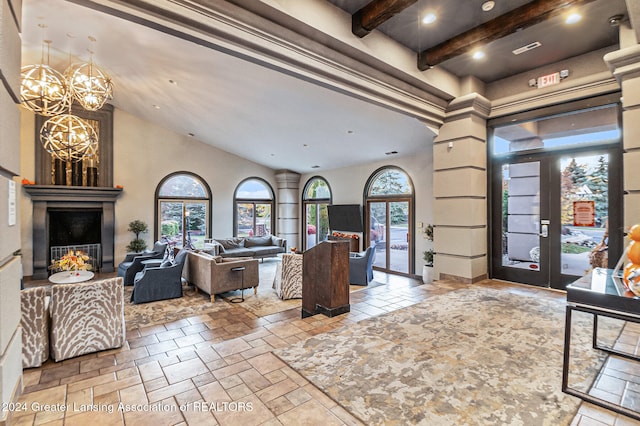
255,247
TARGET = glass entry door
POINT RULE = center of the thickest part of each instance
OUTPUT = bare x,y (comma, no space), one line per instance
521,223
549,212
389,231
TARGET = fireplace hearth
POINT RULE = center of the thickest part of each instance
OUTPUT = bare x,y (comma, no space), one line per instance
72,215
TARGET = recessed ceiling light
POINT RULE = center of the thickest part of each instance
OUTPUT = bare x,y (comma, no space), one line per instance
349,132
429,18
315,167
304,145
391,153
478,54
573,18
488,5
156,106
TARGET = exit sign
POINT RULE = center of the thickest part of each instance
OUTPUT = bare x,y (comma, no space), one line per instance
548,80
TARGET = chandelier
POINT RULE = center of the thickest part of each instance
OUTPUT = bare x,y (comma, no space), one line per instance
43,90
89,85
68,137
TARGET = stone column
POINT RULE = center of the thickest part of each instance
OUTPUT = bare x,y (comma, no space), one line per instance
288,207
625,65
460,191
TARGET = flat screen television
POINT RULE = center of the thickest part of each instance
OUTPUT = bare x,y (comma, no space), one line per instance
345,217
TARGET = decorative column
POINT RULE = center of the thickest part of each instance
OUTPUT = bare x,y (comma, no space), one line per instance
625,66
288,207
460,191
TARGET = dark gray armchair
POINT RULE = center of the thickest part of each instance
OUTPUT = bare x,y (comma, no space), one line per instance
161,282
361,266
132,263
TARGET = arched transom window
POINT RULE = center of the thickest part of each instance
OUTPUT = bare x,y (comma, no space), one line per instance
254,205
315,199
389,201
183,210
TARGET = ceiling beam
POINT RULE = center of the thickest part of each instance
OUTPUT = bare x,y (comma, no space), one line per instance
376,13
523,17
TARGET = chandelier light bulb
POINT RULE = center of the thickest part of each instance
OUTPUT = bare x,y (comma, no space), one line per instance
68,137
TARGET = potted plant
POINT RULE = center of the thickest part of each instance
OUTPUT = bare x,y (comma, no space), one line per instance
427,269
137,227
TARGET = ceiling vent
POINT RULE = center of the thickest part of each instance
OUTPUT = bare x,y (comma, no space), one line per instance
526,48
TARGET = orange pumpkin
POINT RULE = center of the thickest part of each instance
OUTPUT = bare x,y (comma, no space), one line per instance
634,232
633,252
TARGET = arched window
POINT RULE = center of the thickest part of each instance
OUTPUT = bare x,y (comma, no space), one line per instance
254,206
389,202
315,199
183,210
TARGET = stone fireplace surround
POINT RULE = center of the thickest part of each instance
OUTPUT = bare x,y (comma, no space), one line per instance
69,198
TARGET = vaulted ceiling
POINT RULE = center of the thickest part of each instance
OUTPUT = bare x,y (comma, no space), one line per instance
286,122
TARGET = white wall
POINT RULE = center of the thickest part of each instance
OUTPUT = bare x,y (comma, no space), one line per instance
143,155
348,183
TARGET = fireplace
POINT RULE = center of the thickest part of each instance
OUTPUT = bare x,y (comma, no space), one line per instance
71,216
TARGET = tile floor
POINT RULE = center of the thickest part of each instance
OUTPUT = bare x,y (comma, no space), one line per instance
219,369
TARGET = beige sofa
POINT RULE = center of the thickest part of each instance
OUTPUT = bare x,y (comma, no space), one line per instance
215,275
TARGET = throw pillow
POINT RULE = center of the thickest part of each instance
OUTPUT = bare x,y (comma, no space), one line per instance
166,263
232,243
258,241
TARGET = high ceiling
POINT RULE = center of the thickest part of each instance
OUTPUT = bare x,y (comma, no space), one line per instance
275,119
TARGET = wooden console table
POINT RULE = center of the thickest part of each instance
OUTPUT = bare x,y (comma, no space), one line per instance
599,294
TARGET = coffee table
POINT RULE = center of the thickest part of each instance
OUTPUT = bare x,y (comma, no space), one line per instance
70,277
600,294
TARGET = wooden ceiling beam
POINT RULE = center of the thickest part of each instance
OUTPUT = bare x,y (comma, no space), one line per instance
523,17
376,13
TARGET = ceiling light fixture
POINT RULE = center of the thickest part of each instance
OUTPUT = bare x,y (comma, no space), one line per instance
478,54
488,5
90,86
573,18
43,90
429,18
615,20
68,137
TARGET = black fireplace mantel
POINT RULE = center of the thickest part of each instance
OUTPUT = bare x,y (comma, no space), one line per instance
72,193
45,197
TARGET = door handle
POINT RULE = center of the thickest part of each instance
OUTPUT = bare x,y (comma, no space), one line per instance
544,231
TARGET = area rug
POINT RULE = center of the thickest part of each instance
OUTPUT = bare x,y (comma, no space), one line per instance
266,302
191,304
468,357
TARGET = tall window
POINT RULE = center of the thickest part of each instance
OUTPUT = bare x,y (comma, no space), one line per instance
389,201
183,210
315,199
254,205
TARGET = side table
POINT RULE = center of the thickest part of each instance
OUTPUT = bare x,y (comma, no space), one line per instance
71,277
602,295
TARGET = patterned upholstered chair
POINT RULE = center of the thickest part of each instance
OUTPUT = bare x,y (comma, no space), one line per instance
361,266
34,303
132,263
86,317
288,279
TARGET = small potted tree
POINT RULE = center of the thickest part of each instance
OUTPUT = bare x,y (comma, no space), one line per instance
427,269
138,227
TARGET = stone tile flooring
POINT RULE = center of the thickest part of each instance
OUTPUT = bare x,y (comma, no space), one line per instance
219,369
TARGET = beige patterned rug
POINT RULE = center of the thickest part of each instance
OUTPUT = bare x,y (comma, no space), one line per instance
266,301
469,357
191,304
